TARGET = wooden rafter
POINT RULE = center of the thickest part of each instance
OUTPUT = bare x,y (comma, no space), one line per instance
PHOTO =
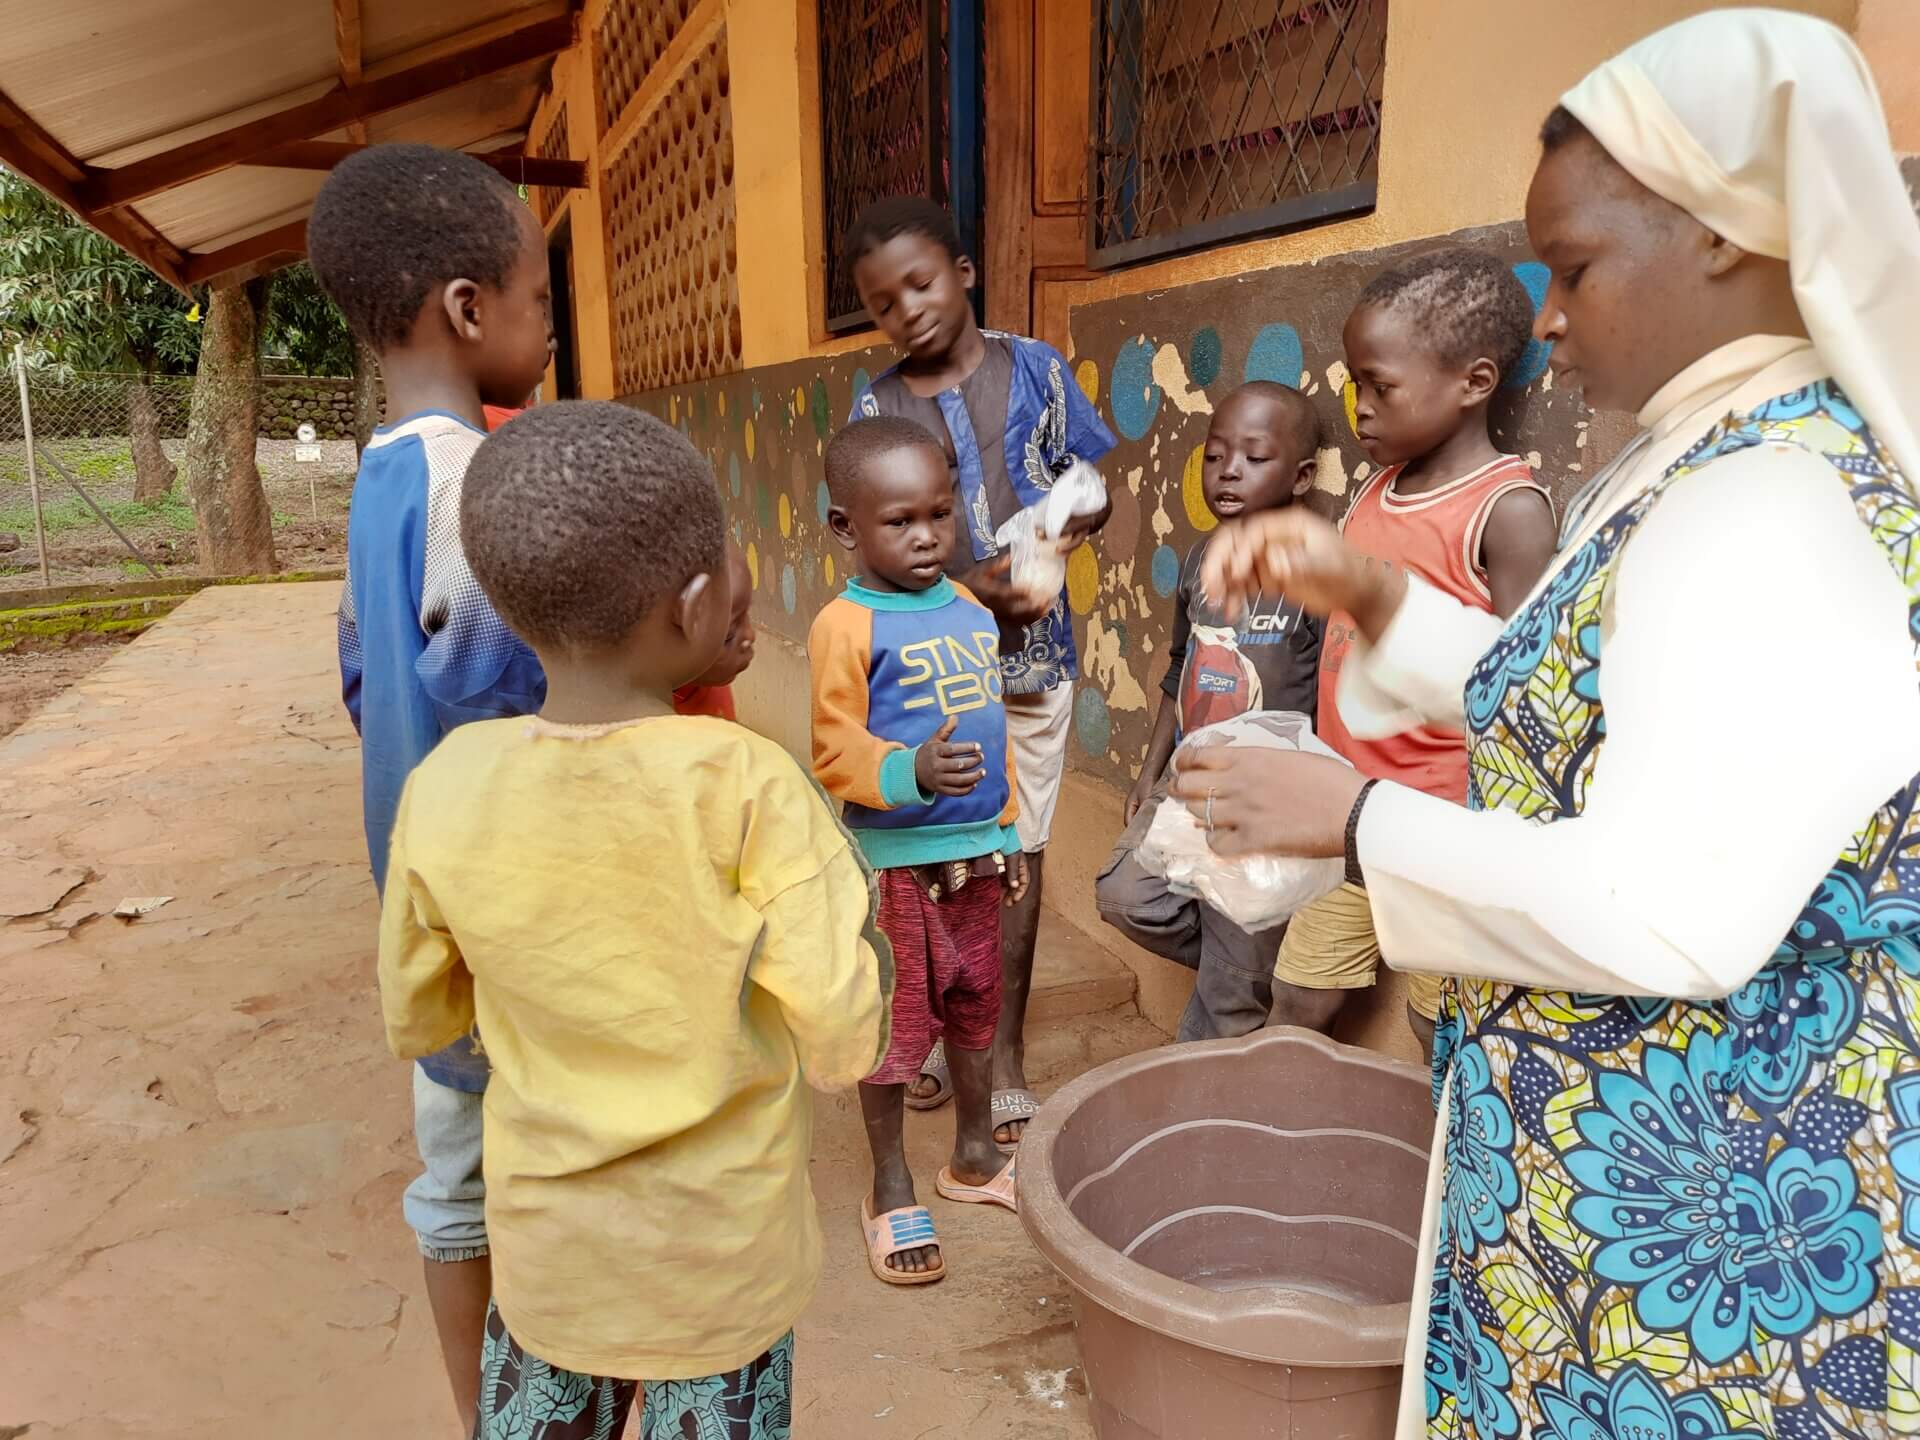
332,111
522,169
26,148
211,266
346,41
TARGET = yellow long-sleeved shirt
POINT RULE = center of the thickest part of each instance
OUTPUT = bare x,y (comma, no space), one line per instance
660,928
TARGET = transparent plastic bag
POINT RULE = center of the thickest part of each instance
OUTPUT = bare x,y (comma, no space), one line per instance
1256,892
1032,538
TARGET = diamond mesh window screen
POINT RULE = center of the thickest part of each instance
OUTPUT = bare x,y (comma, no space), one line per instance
882,120
1218,119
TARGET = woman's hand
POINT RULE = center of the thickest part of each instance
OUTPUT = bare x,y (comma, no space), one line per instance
1296,553
1275,802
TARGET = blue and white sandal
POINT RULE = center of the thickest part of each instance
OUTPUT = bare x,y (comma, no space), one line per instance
908,1228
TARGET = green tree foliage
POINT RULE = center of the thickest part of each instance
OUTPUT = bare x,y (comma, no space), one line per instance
305,326
77,301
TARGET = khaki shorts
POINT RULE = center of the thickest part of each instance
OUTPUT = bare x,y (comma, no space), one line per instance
1330,945
1037,726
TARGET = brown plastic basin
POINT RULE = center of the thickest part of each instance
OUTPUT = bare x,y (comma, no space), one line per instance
1239,1221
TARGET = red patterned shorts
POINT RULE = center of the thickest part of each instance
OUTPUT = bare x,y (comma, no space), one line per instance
946,962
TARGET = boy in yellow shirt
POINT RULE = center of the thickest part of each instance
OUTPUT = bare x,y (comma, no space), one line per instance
662,932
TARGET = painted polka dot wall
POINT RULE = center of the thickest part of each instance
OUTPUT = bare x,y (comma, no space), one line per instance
1155,366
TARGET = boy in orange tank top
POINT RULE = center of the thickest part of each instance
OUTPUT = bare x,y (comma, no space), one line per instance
1427,346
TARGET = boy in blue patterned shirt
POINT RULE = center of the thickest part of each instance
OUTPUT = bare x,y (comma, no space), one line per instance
435,263
1009,418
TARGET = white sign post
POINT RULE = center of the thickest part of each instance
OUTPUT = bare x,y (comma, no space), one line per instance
306,451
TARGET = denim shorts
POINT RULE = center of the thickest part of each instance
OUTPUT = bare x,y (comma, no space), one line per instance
447,1205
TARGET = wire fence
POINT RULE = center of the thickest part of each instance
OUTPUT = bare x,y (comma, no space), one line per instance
99,493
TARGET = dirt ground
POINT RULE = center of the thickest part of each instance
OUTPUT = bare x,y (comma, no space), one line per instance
309,525
203,1141
30,678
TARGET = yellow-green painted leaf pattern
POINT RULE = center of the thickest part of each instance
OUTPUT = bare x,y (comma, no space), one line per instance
1563,714
1525,1308
1619,1339
1548,1201
1865,1064
1506,782
1903,1388
1561,1110
1746,1407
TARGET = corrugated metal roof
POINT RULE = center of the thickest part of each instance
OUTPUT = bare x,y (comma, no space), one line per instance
113,82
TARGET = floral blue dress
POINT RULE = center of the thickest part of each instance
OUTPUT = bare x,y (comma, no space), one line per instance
1678,1219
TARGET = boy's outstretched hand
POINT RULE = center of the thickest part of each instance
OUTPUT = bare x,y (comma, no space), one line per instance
990,586
943,768
1016,880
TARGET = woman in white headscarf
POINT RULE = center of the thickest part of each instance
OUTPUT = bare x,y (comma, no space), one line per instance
1694,756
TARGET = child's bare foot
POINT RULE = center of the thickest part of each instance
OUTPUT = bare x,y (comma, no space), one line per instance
895,1192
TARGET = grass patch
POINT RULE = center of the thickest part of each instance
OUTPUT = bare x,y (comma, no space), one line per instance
69,512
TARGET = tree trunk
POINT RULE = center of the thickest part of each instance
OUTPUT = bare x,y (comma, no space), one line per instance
232,522
153,473
368,393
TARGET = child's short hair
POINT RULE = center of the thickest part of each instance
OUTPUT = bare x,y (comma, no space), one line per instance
1562,127
1464,301
1303,421
859,445
893,217
393,221
579,517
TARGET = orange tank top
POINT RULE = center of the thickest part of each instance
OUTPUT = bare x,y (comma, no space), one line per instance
1437,537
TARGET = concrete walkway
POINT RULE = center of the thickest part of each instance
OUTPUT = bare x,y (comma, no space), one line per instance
203,1141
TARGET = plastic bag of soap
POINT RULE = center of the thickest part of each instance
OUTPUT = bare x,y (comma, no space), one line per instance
1038,556
1256,892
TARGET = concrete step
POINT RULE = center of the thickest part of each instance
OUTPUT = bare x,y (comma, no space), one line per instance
1074,975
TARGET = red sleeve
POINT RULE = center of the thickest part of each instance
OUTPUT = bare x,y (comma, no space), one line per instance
714,700
497,415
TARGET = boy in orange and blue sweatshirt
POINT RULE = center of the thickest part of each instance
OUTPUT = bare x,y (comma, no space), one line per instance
910,732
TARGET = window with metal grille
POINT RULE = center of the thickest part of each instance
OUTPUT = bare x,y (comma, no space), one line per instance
883,121
1220,119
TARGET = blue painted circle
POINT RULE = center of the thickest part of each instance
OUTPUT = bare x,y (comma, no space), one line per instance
1533,360
789,586
821,500
1130,389
1166,571
1091,719
1276,355
733,475
1203,356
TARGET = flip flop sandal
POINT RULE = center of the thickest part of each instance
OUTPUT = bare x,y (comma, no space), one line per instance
936,1066
908,1228
1010,1106
1002,1190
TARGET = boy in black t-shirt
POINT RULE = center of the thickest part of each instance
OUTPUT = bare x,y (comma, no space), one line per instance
1259,456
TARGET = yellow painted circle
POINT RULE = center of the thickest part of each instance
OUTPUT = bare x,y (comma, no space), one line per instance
721,401
826,567
673,408
1087,374
749,439
786,516
799,399
1083,579
753,564
1198,515
1350,397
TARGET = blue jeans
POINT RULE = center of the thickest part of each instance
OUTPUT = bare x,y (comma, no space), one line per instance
447,1205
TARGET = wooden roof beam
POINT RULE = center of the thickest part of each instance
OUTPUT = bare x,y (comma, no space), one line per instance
332,111
279,245
521,169
34,154
346,43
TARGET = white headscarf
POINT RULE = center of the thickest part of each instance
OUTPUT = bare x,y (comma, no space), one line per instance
1765,127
